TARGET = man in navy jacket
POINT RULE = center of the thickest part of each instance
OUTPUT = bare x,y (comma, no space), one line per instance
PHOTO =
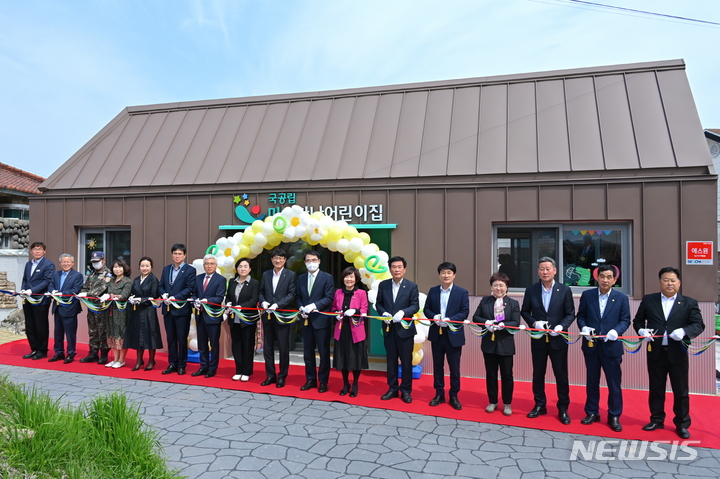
210,290
315,293
447,302
66,283
603,312
36,281
177,282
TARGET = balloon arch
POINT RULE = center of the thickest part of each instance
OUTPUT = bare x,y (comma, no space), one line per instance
293,224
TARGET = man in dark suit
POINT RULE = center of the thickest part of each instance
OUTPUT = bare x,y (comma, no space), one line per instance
447,302
177,282
603,312
278,288
549,306
666,319
36,280
210,290
398,298
66,283
315,293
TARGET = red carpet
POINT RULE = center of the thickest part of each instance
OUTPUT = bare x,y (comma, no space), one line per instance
373,385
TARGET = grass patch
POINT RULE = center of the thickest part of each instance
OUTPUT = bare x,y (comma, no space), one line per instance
104,437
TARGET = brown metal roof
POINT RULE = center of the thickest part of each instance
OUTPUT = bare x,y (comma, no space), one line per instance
624,117
15,179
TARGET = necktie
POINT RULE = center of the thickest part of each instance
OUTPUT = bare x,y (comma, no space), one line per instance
207,279
62,279
310,283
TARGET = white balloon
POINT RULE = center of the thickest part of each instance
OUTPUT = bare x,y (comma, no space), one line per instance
267,229
332,246
383,256
368,249
356,245
193,345
256,249
198,265
375,285
300,231
341,224
421,330
260,239
343,245
326,222
372,296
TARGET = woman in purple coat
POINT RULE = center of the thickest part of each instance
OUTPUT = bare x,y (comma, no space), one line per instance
351,304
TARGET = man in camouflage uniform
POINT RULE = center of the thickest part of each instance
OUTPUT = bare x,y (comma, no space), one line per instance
95,286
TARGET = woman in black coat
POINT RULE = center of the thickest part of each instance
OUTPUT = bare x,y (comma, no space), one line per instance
143,329
498,344
243,292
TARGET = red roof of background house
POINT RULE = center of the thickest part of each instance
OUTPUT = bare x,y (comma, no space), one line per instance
15,179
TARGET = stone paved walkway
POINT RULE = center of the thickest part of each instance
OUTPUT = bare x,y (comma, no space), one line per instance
213,433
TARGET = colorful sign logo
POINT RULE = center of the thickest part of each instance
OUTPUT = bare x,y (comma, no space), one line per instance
241,210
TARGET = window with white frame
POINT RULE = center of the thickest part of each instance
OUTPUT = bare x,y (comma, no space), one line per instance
578,248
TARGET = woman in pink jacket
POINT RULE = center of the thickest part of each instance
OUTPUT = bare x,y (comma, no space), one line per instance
351,304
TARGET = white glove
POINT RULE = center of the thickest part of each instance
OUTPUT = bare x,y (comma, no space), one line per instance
198,304
490,325
48,293
310,308
678,334
437,316
350,312
265,305
443,323
170,300
387,315
398,316
611,335
587,330
273,307
646,334
499,326
556,331
164,296
104,297
204,300
467,321
540,325
132,299
28,292
81,295
225,316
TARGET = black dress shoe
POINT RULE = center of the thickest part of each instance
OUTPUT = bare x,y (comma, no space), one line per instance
455,404
29,355
345,390
308,385
353,393
683,433
170,370
437,400
406,398
210,374
590,418
536,411
651,426
614,423
69,359
199,372
39,355
181,371
322,388
57,357
389,395
280,383
268,382
563,416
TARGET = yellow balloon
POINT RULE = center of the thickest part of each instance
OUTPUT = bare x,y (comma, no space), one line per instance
417,347
365,237
349,232
317,215
248,236
257,226
325,237
416,358
274,240
350,256
334,234
359,262
312,242
244,251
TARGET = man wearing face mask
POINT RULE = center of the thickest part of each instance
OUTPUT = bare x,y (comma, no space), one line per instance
95,286
315,293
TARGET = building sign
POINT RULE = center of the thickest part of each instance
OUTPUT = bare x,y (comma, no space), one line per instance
278,201
699,252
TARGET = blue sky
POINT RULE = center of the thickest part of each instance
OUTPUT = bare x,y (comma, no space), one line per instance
68,68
